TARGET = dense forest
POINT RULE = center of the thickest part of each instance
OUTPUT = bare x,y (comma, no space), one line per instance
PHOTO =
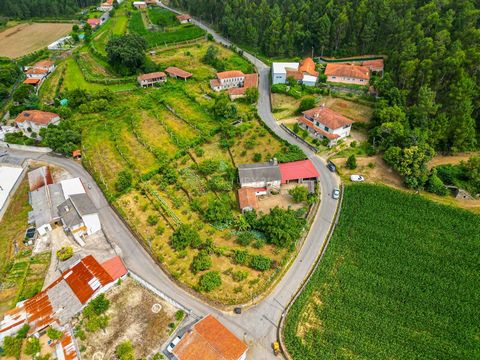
430,92
25,9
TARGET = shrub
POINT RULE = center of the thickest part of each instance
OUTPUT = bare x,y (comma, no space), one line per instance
353,144
257,157
22,333
241,257
100,304
201,262
244,239
179,315
152,220
285,235
296,128
239,275
32,346
184,237
306,104
258,244
299,193
160,230
435,185
54,334
12,346
260,262
219,212
351,162
210,281
65,253
124,181
208,167
124,350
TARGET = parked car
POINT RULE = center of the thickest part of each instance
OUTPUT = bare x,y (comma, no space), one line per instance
331,166
173,344
357,178
336,194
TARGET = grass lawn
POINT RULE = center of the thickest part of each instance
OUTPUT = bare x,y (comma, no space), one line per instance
399,280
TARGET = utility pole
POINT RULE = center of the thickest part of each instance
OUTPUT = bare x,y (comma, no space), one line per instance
312,52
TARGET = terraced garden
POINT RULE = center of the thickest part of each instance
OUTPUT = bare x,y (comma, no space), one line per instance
400,280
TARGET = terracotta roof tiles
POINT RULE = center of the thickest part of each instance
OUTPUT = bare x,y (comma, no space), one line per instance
229,74
151,76
308,66
36,116
247,198
172,70
327,117
348,71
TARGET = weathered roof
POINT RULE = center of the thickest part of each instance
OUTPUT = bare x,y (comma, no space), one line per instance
308,66
69,214
36,116
115,267
83,204
94,22
328,117
172,70
209,340
151,76
297,170
33,70
44,63
39,177
68,347
247,198
295,74
45,201
374,65
31,81
348,71
230,74
281,67
214,83
266,172
251,80
183,17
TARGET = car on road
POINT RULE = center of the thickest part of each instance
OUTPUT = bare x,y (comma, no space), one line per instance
172,345
357,178
336,193
331,166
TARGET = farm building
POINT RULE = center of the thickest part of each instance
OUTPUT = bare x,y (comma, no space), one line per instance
79,216
59,302
247,198
347,74
251,81
208,339
324,123
33,120
303,72
151,79
298,171
9,176
184,18
261,175
39,177
177,73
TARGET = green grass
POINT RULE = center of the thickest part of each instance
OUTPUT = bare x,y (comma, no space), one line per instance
162,17
399,280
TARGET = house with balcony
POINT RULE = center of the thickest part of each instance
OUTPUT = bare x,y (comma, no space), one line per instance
31,121
324,123
151,79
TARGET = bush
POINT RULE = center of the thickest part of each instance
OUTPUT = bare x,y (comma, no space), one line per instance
257,157
65,253
179,315
32,346
288,233
152,220
54,334
239,275
260,262
435,185
124,350
219,212
241,257
351,162
290,153
124,181
99,305
210,281
307,103
201,262
299,193
22,333
12,346
244,239
184,237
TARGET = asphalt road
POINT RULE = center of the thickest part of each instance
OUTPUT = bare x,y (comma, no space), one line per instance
257,325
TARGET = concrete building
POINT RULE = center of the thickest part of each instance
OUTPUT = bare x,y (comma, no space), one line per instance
261,175
151,79
9,177
79,216
29,121
72,187
303,72
44,202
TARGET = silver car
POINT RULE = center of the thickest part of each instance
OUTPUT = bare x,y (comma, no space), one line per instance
173,344
336,193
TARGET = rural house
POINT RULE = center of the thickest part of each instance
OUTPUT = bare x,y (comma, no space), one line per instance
177,73
44,202
30,121
298,172
60,301
38,72
94,22
140,4
151,79
262,175
303,72
184,18
324,123
347,74
79,216
235,81
208,339
107,5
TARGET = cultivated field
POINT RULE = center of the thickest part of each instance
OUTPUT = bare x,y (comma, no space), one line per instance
399,281
26,38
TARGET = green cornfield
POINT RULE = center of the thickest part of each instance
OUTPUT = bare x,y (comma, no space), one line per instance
400,280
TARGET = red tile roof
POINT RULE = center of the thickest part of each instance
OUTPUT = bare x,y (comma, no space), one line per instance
31,81
251,80
172,70
374,65
115,268
94,22
39,177
76,153
68,347
229,74
308,66
328,135
348,70
183,17
82,277
297,75
297,170
209,340
151,76
36,71
328,117
44,63
214,83
36,116
247,198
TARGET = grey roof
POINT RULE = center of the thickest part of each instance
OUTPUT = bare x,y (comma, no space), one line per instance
44,202
267,172
76,206
64,302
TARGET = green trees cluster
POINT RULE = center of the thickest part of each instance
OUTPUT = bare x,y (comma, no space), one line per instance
94,314
126,53
24,9
184,237
125,351
209,281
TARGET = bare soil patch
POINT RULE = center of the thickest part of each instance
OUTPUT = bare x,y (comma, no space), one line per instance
131,318
26,38
452,159
283,200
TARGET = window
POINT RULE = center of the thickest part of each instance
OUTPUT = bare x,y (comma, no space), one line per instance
326,128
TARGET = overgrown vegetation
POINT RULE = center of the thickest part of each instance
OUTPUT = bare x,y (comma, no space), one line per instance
388,280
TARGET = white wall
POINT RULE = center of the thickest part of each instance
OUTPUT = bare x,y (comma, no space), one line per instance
342,132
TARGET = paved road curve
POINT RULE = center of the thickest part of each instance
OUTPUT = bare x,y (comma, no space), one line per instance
257,325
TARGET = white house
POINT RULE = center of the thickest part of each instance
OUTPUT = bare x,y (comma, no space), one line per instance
151,79
303,72
324,123
227,80
140,4
72,187
184,18
33,120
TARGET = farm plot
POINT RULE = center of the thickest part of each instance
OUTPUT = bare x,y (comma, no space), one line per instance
18,40
399,280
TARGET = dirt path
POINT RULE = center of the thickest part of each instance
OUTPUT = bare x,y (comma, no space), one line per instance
452,159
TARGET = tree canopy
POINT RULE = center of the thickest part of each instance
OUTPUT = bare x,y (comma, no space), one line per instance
24,9
127,52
